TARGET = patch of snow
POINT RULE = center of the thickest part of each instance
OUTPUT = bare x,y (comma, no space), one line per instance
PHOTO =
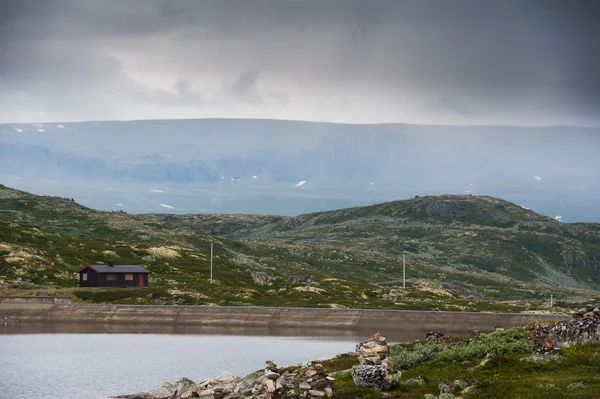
119,204
538,178
558,217
524,207
371,183
41,130
19,130
60,126
232,179
156,191
167,206
300,183
255,177
467,191
222,177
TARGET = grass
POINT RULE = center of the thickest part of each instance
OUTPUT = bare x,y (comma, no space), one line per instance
504,375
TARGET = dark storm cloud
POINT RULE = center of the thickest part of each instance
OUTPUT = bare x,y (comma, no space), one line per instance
521,61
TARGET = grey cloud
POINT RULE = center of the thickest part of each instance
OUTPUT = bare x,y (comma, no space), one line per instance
245,88
182,94
420,61
450,105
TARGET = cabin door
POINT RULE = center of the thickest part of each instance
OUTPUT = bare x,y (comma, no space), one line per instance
140,280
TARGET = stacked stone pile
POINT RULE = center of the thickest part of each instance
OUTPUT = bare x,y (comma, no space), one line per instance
373,351
316,383
375,370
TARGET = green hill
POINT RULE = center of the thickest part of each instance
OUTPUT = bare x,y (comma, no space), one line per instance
463,252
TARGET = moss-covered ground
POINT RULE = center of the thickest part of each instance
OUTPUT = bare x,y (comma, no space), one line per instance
502,374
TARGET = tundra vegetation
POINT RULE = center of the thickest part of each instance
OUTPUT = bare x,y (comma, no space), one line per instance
463,253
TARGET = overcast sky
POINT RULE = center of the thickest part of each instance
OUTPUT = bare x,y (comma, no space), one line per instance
521,62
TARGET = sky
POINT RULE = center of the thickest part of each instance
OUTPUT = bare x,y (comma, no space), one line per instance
509,62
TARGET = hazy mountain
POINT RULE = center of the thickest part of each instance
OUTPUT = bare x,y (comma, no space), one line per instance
258,166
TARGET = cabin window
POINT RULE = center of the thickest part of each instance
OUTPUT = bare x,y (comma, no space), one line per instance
129,277
84,276
111,277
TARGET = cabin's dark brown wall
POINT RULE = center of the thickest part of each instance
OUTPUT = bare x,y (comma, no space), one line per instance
92,278
100,280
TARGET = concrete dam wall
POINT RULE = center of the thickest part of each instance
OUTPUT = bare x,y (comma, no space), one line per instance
270,318
28,300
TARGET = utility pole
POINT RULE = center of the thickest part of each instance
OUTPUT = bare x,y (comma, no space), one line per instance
403,271
551,300
211,262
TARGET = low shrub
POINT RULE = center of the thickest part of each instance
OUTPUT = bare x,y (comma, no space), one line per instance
497,343
404,358
575,386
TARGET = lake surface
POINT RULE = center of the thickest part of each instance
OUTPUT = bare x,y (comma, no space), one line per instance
73,362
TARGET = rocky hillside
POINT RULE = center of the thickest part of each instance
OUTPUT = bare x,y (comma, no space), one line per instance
463,252
484,235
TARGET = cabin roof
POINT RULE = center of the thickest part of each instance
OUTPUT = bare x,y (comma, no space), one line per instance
105,269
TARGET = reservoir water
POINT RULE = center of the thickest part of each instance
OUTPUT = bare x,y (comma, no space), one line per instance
74,362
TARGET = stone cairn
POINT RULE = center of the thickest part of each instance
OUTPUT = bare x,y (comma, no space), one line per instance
316,383
373,351
375,371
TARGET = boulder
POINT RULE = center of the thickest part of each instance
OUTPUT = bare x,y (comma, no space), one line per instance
262,278
162,393
302,280
184,384
379,377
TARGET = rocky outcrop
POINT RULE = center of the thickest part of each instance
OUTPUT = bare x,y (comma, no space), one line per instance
262,278
583,328
302,280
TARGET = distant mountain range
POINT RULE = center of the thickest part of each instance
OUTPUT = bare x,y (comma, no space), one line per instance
291,167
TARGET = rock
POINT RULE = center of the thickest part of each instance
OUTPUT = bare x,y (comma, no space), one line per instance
485,361
206,392
305,386
316,394
444,388
226,377
543,356
459,385
418,381
436,337
162,393
272,375
302,280
262,278
567,333
270,385
328,392
148,258
184,384
381,378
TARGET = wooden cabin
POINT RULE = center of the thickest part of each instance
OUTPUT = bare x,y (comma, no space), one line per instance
111,275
